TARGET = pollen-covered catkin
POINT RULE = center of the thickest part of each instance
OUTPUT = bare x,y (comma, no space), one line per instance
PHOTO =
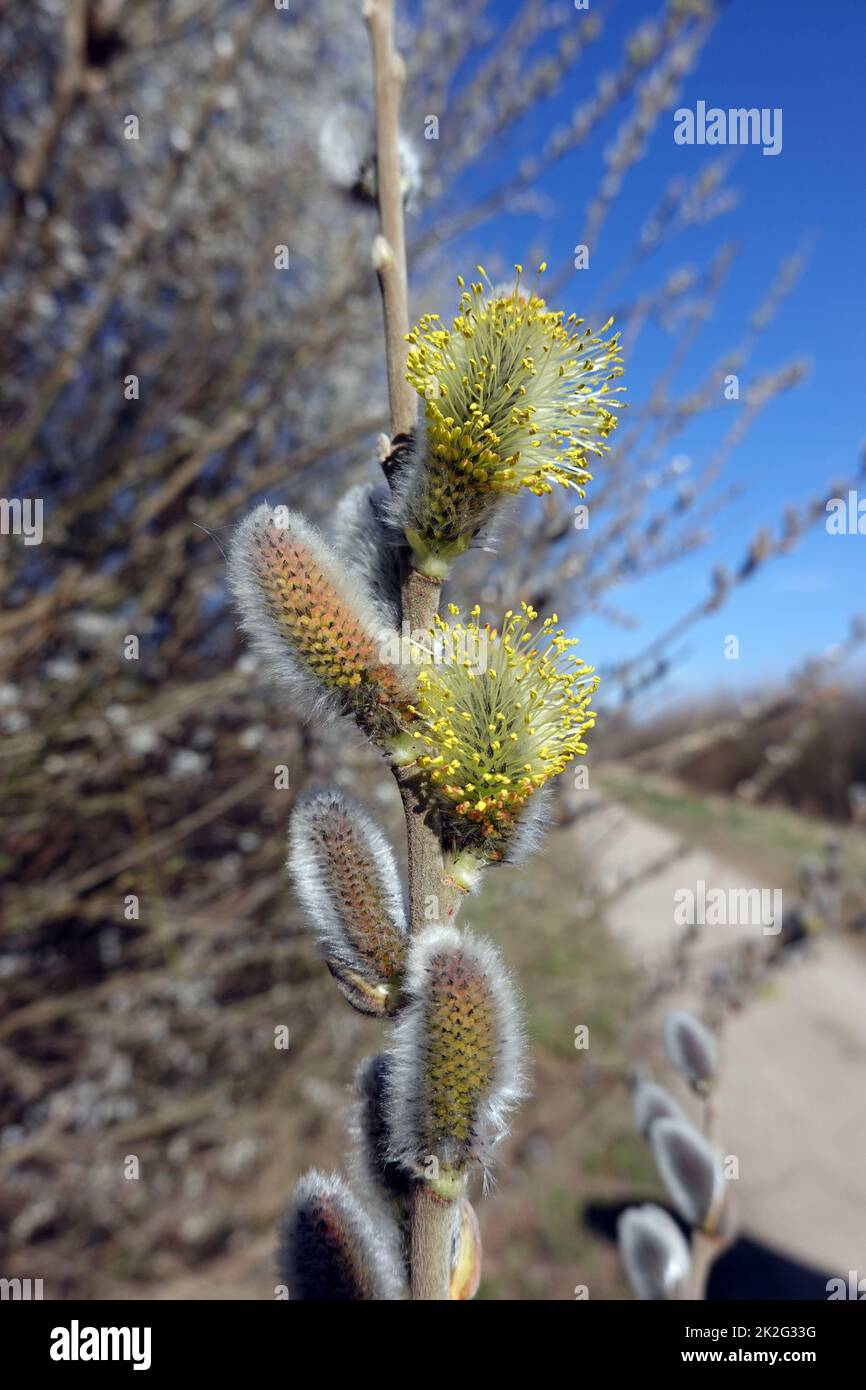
516,396
498,714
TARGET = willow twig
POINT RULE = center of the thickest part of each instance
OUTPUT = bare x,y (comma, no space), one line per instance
431,1215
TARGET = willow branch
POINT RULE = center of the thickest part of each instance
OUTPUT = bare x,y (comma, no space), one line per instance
389,250
432,1225
430,897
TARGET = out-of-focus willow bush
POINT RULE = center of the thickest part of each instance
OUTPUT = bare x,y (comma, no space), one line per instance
160,372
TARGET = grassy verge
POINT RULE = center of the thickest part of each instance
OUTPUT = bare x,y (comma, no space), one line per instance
574,1145
769,839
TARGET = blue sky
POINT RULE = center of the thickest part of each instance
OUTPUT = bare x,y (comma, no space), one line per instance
806,59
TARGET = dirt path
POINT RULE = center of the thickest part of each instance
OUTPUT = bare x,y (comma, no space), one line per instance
793,1094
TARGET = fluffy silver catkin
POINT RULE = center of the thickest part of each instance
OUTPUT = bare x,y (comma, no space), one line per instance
690,1170
654,1252
652,1102
348,885
370,546
457,1054
385,1186
315,629
343,148
691,1048
347,157
330,1251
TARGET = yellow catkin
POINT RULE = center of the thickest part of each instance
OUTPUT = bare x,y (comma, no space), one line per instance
498,716
460,1052
516,396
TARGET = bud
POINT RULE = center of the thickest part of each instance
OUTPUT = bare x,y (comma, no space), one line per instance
457,1057
347,883
347,155
315,631
690,1171
329,1249
692,1049
652,1102
369,545
515,397
654,1252
465,1254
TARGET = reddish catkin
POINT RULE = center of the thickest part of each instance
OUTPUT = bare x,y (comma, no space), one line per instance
318,632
